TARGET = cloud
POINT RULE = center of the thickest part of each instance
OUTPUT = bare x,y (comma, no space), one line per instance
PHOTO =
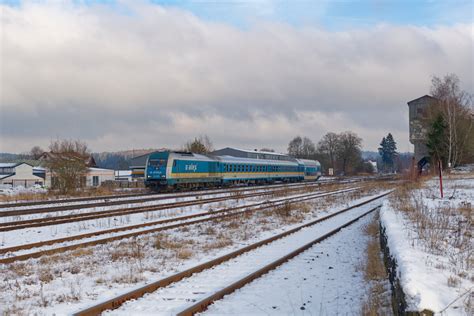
142,75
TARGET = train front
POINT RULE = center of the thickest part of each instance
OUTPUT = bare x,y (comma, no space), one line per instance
155,170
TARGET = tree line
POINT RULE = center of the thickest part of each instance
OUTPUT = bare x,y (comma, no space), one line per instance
450,123
342,152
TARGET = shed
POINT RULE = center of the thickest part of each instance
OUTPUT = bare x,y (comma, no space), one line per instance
95,176
19,174
137,166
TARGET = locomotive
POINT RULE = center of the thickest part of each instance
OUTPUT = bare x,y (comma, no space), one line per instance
178,169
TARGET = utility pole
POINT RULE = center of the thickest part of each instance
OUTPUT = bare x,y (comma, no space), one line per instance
440,169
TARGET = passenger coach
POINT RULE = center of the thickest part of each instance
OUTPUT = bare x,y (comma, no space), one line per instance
173,169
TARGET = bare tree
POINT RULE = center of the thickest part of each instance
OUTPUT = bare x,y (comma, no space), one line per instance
295,147
36,152
349,151
455,108
308,149
301,148
329,146
67,163
200,145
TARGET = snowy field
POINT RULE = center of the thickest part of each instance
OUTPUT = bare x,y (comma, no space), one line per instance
70,281
37,234
431,239
176,297
324,280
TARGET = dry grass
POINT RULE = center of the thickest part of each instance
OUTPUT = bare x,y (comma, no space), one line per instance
45,275
51,194
437,228
378,300
453,281
184,254
220,242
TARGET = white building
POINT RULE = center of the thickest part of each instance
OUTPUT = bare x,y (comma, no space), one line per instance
18,174
123,175
96,176
374,165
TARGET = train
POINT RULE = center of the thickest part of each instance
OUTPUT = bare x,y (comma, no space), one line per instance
179,169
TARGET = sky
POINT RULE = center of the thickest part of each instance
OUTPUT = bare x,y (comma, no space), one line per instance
123,74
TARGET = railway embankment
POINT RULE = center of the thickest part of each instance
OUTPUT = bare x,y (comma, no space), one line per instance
428,247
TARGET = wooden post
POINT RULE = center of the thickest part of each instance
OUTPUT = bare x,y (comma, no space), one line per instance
440,178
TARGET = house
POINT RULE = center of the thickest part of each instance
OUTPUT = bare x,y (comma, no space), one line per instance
88,159
19,174
94,176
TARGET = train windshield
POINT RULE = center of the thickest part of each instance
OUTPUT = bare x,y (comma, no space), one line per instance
156,162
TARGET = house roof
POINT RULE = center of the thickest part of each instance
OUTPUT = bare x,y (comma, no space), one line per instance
99,169
423,97
13,164
88,159
8,164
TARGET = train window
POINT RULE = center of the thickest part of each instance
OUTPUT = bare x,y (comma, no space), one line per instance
154,163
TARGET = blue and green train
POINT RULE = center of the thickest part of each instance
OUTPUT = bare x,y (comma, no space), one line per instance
174,169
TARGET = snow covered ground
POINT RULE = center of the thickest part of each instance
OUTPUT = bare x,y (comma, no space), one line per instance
324,280
176,297
37,234
9,190
431,239
67,282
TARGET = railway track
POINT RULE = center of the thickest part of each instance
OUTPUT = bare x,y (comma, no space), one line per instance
177,222
61,208
191,292
71,200
70,218
122,197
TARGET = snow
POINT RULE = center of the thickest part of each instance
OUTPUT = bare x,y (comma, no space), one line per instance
178,296
81,280
37,234
324,280
9,190
424,272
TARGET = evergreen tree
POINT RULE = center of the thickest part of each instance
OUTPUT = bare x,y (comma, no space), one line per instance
436,139
388,152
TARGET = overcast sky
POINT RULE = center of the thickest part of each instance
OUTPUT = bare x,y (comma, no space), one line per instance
138,74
